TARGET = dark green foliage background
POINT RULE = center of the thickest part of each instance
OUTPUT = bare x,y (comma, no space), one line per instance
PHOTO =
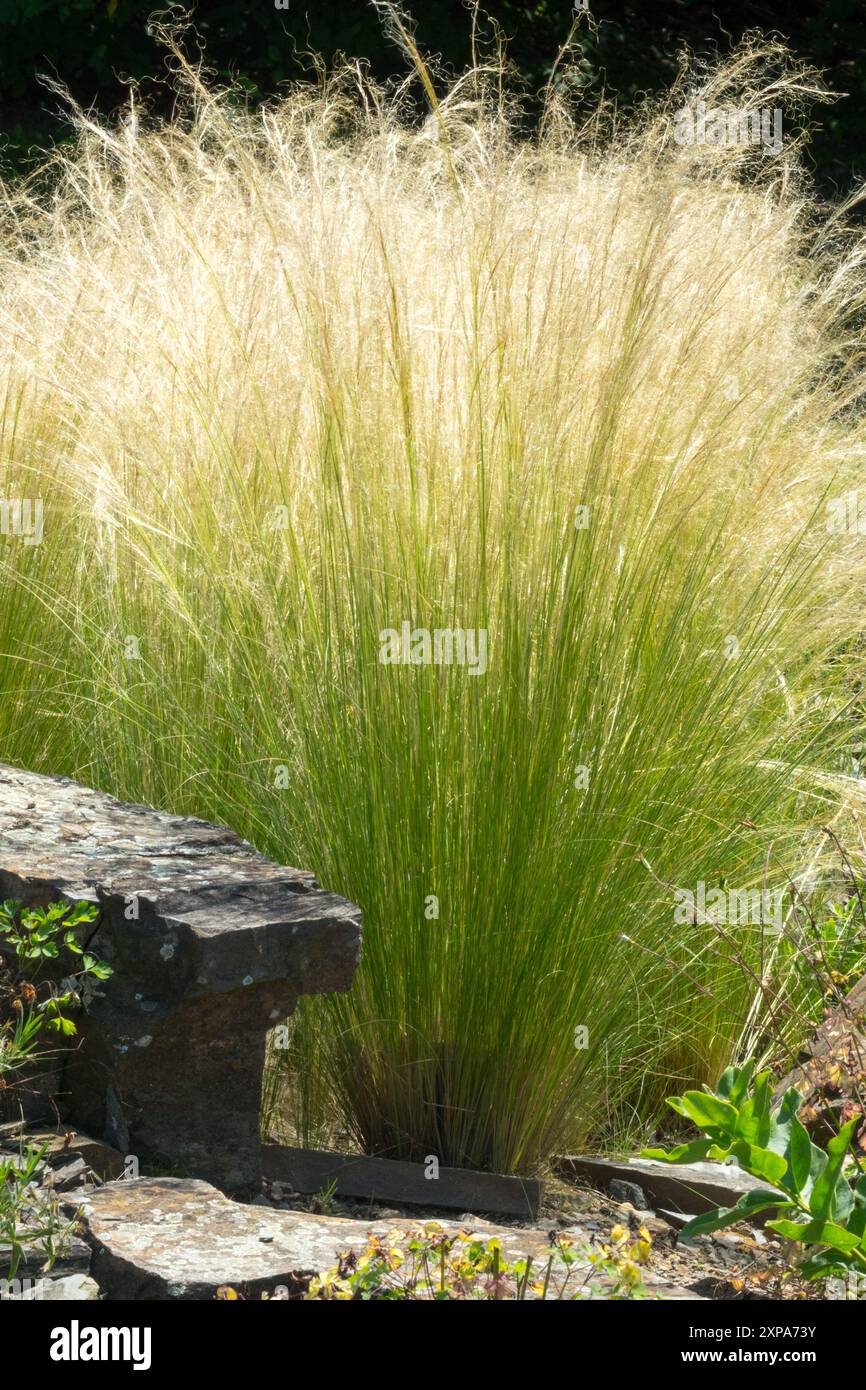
93,45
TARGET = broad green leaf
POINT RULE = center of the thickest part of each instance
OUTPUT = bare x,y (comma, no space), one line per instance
819,1165
754,1123
824,1189
799,1156
761,1163
734,1083
825,1263
857,1218
683,1153
816,1233
843,1200
749,1205
710,1112
790,1105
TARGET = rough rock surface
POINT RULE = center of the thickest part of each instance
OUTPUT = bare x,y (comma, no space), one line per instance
73,1288
211,944
681,1187
158,1238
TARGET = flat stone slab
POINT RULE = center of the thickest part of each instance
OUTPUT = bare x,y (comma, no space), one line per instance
170,1238
73,1288
691,1188
392,1180
211,944
62,1147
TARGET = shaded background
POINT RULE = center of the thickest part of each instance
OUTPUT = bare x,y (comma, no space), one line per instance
92,45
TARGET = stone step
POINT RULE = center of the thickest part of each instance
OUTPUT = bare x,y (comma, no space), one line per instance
391,1180
174,1238
63,1146
690,1188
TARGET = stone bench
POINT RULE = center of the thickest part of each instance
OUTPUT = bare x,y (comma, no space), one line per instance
211,944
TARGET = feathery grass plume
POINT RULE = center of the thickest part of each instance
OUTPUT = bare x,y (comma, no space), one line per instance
287,381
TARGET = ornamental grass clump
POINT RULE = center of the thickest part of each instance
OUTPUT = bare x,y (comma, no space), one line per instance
446,510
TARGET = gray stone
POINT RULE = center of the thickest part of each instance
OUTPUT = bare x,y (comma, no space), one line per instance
622,1191
72,1288
394,1180
211,945
69,1176
62,1146
77,1287
676,1219
170,1238
675,1187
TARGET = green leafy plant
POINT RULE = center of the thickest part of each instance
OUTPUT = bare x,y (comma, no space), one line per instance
29,1216
819,1195
620,1261
430,1264
323,1200
18,1038
32,939
37,935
